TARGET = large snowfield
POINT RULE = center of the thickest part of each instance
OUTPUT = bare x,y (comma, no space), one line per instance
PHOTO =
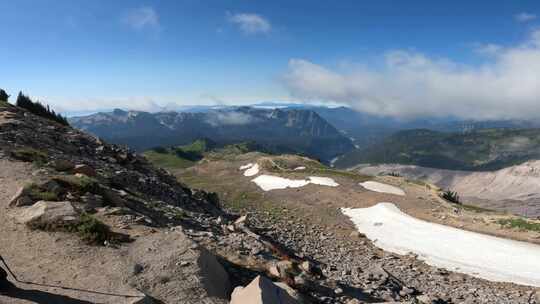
480,255
383,188
270,182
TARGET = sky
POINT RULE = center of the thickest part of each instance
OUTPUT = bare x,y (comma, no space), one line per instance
471,59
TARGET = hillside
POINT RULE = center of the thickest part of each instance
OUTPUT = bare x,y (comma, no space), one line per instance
514,189
279,131
488,149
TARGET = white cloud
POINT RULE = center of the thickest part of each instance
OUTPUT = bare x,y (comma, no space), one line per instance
250,23
229,118
142,17
524,17
490,49
412,84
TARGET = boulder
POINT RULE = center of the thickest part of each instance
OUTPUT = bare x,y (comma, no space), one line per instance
176,270
63,165
84,169
261,291
21,198
49,215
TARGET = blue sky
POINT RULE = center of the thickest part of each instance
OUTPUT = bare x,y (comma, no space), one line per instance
87,55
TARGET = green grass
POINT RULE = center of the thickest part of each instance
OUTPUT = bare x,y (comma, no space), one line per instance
36,193
167,160
475,208
519,223
4,103
30,155
80,183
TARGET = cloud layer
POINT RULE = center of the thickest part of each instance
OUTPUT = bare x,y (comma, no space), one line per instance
411,84
250,23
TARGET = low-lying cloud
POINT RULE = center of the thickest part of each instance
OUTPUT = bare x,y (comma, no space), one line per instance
412,84
229,119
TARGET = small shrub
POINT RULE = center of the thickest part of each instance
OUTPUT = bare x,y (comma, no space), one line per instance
92,230
29,155
38,108
451,196
37,193
394,174
80,183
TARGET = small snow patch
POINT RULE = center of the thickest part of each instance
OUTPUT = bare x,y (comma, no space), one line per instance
479,255
244,167
299,168
252,171
270,182
324,181
383,188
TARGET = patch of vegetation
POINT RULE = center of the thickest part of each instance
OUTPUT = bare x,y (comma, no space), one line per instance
81,183
451,196
38,193
92,231
394,174
30,155
520,223
38,108
167,160
475,208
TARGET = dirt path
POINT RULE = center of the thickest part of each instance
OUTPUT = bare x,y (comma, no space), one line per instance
57,259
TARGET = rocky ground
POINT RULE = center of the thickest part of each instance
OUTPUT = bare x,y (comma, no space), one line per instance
306,221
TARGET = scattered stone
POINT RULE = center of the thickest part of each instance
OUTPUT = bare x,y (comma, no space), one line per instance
84,169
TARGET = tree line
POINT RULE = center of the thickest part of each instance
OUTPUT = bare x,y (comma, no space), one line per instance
35,107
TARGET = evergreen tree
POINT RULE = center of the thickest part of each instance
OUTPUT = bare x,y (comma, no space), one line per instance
38,108
3,95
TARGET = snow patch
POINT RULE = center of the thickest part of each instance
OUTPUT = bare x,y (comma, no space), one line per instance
252,171
383,188
270,182
324,181
244,167
299,168
479,255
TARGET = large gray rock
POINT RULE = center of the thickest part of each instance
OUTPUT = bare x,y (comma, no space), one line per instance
261,291
173,269
49,215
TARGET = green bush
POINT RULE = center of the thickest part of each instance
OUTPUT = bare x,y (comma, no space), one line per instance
37,193
92,230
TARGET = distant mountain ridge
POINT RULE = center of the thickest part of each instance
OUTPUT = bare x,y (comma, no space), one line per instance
487,149
279,130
